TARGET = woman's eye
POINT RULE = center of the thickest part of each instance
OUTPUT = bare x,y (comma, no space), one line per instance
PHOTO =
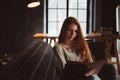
69,30
76,31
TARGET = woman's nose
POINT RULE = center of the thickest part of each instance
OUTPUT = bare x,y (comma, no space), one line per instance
73,32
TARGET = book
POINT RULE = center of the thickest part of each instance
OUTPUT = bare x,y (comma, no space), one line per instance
78,67
96,65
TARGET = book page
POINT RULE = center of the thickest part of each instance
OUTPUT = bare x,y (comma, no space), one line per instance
97,65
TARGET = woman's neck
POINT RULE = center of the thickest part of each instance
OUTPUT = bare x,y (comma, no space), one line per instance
67,44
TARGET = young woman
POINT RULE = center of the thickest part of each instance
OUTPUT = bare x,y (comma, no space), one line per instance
72,45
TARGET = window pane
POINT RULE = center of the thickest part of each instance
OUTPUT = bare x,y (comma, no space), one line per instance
52,15
72,3
62,3
61,14
59,27
83,26
56,16
82,4
51,2
73,13
82,15
52,28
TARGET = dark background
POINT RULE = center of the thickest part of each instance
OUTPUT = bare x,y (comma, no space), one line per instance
18,23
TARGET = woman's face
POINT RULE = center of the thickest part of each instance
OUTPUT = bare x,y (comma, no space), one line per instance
71,32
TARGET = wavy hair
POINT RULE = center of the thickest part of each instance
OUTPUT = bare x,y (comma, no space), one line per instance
79,43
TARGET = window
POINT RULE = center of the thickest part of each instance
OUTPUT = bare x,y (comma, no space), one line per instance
58,10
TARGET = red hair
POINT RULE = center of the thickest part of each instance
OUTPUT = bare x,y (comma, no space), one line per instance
79,44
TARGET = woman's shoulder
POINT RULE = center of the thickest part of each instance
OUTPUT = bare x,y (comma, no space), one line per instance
58,46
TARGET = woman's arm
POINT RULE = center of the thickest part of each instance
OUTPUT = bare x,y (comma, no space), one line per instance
58,50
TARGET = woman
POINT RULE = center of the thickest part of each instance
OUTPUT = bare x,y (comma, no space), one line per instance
72,45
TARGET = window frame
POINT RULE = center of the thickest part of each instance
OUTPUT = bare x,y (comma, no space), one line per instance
90,18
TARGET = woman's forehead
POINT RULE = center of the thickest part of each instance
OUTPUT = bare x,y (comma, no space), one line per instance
72,26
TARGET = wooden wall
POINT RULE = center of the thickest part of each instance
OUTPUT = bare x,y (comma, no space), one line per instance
18,24
106,13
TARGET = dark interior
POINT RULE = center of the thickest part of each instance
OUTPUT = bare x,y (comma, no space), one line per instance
19,23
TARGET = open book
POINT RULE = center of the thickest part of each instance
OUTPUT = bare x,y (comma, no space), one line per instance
97,65
78,67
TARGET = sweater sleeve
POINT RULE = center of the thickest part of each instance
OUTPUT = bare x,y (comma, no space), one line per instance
58,50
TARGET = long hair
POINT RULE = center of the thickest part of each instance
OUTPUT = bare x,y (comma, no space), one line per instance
80,44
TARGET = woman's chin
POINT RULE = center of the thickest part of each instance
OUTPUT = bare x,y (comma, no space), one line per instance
71,39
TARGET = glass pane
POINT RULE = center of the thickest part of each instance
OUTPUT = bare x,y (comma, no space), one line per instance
82,4
118,25
52,15
73,13
83,26
62,3
82,15
118,18
61,14
58,14
51,2
59,27
72,3
52,28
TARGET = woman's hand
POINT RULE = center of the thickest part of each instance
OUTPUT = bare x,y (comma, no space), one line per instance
90,72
